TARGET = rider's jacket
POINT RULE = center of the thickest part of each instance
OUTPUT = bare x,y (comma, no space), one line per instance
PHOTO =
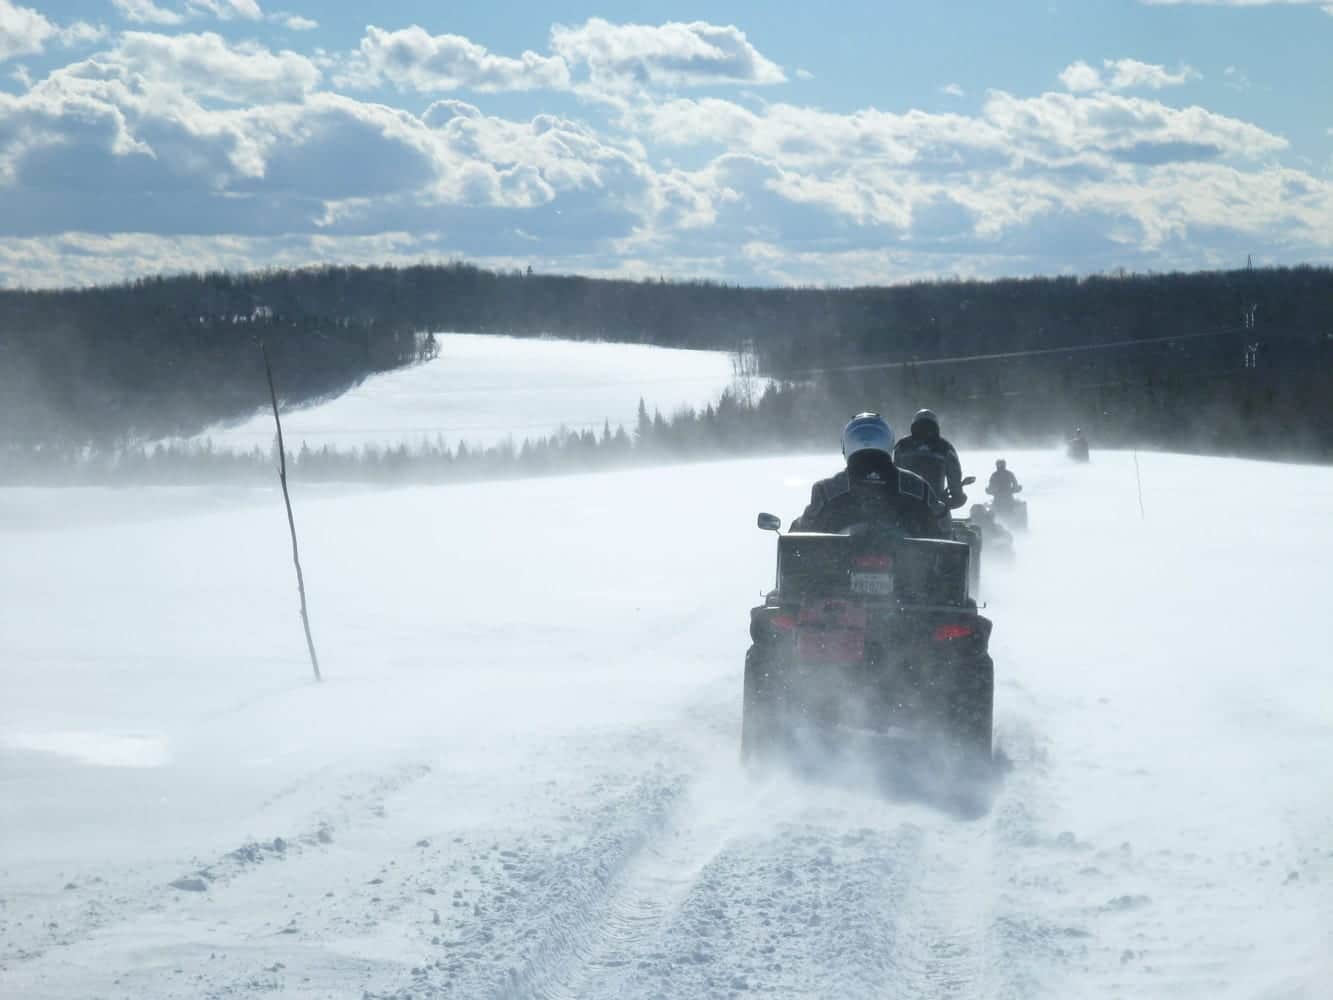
935,461
1002,483
872,490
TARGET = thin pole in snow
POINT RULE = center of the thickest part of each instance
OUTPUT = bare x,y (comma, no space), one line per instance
1138,479
291,522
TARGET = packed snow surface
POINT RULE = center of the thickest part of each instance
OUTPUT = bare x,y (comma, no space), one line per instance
483,389
520,777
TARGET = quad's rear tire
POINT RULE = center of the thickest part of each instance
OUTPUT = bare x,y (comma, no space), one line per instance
972,712
760,732
1021,516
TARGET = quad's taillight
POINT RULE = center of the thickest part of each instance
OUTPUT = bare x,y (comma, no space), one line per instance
783,623
872,562
954,630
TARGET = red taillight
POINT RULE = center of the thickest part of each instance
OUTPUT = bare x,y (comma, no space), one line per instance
783,623
873,562
944,633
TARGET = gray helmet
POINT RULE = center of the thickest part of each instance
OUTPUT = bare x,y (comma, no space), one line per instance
926,424
867,432
1000,464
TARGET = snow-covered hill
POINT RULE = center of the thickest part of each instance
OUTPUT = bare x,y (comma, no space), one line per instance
520,778
483,389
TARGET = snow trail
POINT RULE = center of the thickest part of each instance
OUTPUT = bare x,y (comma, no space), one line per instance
521,779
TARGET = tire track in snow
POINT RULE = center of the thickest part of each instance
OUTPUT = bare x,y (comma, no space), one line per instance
592,952
846,897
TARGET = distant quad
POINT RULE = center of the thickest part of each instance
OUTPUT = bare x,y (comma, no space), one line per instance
869,634
996,538
1010,511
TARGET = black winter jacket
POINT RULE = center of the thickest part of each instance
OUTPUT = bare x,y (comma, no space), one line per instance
935,461
872,490
1002,483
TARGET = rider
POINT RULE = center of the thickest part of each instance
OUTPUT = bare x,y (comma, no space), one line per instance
932,458
872,489
1077,444
1003,484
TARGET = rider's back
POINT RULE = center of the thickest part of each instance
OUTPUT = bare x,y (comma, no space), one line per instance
872,491
1002,482
936,461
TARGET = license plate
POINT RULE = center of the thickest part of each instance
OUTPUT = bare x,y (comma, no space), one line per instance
878,584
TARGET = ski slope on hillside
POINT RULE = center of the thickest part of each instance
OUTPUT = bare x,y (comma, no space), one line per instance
483,389
520,778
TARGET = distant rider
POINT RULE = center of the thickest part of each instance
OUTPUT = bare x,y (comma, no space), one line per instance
872,490
1077,445
1003,485
932,458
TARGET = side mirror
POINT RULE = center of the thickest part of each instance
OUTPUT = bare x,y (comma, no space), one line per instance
969,480
769,522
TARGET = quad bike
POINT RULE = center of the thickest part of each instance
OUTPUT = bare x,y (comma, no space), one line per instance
869,633
965,531
1009,511
997,538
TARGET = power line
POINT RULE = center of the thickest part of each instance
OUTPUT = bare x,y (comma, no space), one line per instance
1003,355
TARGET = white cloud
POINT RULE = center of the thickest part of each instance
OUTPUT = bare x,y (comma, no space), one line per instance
213,152
78,258
1123,74
295,22
117,143
147,12
1079,77
804,74
1056,127
81,33
1324,4
1235,78
1130,74
599,59
206,65
953,90
1078,172
413,59
23,31
226,10
675,54
1236,3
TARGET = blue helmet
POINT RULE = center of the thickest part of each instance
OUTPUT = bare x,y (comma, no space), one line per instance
867,432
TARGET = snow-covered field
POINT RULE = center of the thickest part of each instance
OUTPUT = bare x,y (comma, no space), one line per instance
520,778
483,389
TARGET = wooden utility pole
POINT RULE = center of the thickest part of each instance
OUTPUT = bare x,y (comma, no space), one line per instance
1138,481
291,522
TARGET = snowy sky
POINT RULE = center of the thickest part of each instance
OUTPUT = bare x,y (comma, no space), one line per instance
755,142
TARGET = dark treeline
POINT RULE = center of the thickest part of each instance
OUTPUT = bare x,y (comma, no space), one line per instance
737,424
754,417
1246,365
167,356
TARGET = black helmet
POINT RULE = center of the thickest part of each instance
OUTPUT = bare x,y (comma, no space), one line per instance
925,424
1000,464
867,432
